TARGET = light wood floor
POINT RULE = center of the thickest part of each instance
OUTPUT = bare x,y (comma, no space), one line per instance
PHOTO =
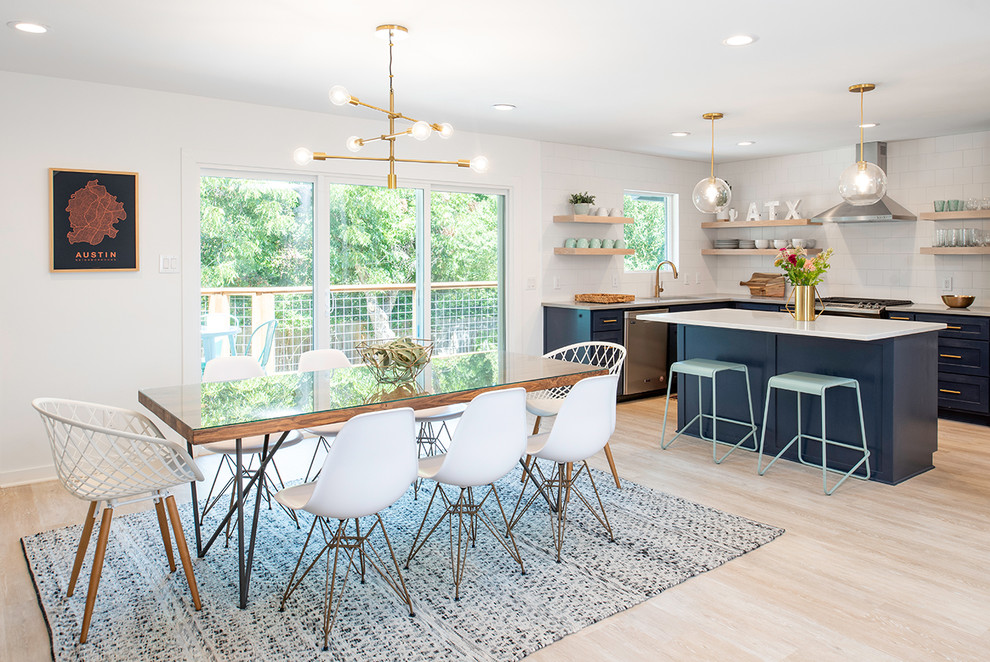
873,572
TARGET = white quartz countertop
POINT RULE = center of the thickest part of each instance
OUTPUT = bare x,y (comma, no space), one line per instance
844,328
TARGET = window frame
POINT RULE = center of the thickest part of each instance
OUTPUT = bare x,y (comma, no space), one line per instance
672,226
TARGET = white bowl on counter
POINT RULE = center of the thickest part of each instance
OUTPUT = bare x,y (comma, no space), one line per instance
780,243
798,243
763,243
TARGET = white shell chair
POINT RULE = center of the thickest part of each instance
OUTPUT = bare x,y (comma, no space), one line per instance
544,404
116,456
225,369
488,441
367,469
312,361
584,424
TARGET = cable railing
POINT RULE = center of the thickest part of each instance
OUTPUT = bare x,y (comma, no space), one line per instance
464,317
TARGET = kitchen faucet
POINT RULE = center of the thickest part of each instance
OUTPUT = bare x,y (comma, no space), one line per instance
658,289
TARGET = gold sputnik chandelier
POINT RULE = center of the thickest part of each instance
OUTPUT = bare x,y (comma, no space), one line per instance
419,130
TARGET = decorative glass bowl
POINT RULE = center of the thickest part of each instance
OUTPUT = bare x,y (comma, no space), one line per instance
396,361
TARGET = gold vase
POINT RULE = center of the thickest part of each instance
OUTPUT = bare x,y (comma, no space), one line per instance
804,303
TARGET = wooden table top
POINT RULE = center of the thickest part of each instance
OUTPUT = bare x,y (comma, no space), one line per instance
204,413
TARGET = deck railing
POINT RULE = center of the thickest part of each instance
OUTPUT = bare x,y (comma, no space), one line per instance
464,317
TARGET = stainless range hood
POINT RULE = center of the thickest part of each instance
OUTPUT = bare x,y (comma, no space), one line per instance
883,210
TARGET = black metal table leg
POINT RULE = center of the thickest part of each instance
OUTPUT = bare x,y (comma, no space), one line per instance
240,527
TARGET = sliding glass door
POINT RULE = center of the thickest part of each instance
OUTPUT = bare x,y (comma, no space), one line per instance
385,263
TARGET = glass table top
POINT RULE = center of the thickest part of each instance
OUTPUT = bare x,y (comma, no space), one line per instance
313,398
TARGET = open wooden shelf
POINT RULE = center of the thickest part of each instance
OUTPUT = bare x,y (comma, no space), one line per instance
562,250
583,218
973,214
751,251
719,225
960,250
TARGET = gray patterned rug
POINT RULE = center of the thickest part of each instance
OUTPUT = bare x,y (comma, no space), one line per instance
144,613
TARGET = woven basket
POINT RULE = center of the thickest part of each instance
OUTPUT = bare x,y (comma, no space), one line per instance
604,298
390,368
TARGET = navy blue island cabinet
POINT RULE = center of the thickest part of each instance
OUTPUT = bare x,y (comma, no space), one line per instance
896,363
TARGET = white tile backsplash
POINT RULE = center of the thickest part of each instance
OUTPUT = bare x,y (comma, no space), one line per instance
882,259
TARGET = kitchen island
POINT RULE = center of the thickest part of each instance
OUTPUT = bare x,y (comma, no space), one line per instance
895,362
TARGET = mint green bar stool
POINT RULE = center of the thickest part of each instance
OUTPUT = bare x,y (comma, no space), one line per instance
710,368
818,385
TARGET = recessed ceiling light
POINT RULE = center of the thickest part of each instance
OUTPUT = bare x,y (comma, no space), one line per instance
746,143
868,125
504,106
740,40
680,134
24,26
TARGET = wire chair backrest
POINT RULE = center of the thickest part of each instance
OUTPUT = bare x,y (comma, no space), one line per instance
369,466
608,355
586,420
489,439
104,453
322,359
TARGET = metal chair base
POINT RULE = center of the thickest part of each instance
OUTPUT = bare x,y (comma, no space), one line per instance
818,388
705,368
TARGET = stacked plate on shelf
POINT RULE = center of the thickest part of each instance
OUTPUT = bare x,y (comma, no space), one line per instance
726,243
747,243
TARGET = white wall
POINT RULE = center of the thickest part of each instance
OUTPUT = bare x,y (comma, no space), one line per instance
871,259
103,336
607,174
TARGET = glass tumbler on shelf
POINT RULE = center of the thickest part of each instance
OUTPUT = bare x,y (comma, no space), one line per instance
986,203
969,237
972,204
952,238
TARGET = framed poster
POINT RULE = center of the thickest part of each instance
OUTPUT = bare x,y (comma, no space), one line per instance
94,220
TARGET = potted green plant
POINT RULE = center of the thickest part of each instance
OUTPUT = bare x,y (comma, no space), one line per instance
582,202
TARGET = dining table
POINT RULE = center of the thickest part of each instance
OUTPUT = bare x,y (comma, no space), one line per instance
274,405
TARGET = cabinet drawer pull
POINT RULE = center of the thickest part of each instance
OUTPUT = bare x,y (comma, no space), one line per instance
899,318
945,390
950,356
609,321
954,328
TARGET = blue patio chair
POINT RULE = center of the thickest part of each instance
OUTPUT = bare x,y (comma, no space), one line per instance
268,329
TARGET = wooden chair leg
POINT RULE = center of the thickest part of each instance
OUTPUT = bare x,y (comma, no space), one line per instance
180,542
163,525
94,577
83,544
611,464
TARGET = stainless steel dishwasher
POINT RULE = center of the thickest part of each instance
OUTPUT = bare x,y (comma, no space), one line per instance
645,368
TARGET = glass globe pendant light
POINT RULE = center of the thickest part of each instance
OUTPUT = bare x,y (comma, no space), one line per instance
711,194
862,183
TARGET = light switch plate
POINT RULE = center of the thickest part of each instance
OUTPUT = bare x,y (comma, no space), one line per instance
947,284
168,264
531,282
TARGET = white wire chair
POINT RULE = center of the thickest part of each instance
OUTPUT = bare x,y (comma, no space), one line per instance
546,404
312,361
231,368
487,443
587,421
116,456
368,468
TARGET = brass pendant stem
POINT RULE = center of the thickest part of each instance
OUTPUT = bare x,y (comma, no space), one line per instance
861,125
713,147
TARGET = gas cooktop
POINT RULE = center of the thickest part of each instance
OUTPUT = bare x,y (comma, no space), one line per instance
861,306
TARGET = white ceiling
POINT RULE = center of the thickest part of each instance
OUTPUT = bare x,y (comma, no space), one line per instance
620,74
